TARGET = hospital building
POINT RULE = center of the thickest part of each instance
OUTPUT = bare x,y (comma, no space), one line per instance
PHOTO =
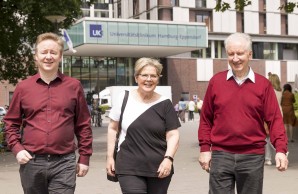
187,36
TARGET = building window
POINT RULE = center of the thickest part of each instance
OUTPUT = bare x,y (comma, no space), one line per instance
86,13
119,9
135,7
269,51
257,48
202,53
219,49
97,73
175,3
287,51
101,14
205,17
200,3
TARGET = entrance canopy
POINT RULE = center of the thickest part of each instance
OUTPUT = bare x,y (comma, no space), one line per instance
135,38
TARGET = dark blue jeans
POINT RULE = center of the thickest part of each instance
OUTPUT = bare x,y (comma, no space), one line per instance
244,170
49,175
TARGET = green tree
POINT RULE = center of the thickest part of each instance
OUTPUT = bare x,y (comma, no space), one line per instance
240,4
21,22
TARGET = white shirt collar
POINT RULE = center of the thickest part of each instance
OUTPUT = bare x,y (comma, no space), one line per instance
250,75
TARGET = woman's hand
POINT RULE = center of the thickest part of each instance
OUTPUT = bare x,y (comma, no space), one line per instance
110,167
111,138
165,168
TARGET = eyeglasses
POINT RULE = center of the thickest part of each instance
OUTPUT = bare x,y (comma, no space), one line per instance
152,76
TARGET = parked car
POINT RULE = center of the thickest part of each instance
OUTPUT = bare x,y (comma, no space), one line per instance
2,111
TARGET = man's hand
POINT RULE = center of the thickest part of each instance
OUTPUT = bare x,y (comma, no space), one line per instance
204,160
23,157
281,161
82,170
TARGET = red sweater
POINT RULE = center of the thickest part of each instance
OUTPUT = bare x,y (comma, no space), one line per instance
232,116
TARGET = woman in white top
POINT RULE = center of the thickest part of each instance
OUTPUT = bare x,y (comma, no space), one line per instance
148,138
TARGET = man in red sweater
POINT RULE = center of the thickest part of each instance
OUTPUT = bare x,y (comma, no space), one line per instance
231,132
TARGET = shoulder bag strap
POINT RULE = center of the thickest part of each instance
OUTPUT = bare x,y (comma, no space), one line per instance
122,110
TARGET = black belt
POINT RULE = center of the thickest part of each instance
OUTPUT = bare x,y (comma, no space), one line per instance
47,156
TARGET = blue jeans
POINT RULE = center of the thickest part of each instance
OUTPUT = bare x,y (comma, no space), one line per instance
244,170
49,174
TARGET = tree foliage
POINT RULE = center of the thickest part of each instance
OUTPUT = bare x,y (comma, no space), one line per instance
240,4
21,22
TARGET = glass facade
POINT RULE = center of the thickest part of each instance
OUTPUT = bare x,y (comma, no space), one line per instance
97,73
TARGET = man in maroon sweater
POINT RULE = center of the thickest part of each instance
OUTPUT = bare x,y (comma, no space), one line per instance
231,132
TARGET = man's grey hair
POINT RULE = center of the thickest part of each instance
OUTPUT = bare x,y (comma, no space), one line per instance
239,36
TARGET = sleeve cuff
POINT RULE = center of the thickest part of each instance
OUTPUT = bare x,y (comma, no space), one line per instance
84,160
17,148
205,148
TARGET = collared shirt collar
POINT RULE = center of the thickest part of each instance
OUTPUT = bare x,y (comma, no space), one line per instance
59,76
250,75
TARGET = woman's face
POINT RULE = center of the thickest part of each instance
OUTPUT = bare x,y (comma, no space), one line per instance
147,79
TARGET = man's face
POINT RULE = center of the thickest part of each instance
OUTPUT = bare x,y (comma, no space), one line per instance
48,55
238,56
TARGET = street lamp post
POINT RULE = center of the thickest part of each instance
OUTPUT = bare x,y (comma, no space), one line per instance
55,19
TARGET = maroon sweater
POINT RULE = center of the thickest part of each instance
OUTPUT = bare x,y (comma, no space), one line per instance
232,117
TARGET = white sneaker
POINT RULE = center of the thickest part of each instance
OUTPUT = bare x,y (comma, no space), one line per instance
268,162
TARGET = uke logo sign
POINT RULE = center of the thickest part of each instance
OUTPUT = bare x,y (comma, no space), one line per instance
95,30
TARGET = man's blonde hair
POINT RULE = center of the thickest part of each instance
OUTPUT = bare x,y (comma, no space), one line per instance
50,36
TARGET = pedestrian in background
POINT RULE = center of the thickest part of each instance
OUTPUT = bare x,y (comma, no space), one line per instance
176,107
191,109
231,131
54,111
287,104
182,109
199,105
148,136
269,149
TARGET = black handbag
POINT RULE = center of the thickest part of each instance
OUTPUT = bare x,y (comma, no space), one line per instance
109,177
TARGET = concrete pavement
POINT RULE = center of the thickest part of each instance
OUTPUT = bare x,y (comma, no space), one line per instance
189,178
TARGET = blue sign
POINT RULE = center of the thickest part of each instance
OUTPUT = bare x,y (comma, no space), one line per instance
96,30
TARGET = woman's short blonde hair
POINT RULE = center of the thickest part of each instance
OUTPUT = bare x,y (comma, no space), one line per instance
143,62
50,36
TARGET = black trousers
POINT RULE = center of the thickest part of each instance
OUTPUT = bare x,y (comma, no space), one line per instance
246,170
131,184
190,115
49,174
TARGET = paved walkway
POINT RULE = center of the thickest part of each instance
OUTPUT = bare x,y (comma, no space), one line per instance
188,177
